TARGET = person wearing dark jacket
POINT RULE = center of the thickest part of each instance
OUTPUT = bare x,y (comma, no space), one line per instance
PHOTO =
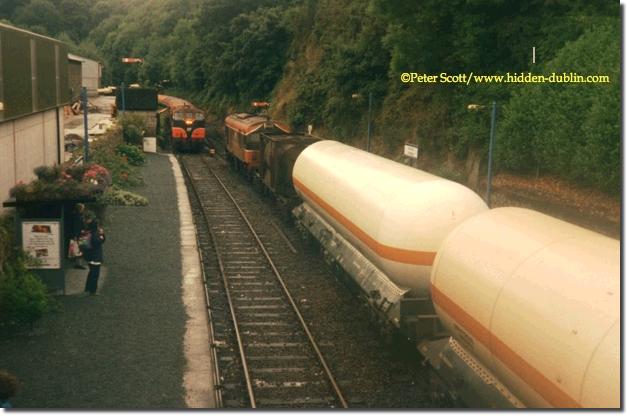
8,388
93,255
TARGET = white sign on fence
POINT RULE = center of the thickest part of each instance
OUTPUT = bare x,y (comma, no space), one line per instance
411,150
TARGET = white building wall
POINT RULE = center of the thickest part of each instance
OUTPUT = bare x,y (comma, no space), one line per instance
7,166
25,144
51,154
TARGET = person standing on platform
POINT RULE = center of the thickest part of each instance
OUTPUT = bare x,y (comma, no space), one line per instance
91,243
78,225
8,388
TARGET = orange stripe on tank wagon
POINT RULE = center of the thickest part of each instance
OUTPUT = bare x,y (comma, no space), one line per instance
420,258
517,364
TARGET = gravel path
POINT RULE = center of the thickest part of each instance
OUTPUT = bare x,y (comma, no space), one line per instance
122,349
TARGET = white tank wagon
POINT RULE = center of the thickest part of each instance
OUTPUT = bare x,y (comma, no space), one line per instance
396,216
537,301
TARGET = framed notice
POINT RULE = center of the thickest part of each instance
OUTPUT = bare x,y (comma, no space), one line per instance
411,150
42,241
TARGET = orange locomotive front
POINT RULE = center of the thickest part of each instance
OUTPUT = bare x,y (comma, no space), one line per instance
188,128
187,123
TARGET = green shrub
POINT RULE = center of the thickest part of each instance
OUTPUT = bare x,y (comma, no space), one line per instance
133,134
23,297
117,196
571,130
134,155
7,237
165,132
104,152
48,173
133,127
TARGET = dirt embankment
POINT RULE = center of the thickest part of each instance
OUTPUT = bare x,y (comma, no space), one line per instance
587,208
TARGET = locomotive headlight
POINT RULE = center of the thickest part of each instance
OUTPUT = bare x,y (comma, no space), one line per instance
189,122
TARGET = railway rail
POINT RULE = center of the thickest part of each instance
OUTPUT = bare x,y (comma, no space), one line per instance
268,356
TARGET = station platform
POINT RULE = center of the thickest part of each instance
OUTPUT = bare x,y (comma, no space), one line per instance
142,342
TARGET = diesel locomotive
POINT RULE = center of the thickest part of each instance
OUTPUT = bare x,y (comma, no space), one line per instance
187,124
243,138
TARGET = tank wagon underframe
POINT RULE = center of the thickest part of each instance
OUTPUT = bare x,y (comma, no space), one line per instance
466,378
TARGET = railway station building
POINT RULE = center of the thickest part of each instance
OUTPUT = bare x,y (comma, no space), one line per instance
34,88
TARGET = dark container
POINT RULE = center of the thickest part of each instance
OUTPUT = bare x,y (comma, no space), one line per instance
137,99
278,155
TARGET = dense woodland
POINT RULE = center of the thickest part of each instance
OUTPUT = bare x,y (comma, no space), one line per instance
309,56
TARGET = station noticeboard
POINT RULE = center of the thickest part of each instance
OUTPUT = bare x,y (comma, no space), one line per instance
42,240
411,150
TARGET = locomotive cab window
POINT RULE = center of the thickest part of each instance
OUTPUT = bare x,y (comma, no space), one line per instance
178,116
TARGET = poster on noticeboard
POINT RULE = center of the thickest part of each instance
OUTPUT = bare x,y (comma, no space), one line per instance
42,241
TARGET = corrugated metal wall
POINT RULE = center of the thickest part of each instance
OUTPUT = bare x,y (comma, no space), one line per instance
33,73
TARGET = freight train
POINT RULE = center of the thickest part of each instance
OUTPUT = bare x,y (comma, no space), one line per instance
187,124
511,307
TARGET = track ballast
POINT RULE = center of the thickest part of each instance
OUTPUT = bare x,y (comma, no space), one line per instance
278,358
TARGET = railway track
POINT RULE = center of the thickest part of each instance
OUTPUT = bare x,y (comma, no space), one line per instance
266,352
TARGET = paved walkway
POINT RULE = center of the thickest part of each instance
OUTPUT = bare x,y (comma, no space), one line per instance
123,348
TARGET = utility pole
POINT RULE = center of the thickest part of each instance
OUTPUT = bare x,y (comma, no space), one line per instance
368,131
490,156
86,137
122,96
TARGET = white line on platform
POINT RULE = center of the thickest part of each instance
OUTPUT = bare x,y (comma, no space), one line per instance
197,378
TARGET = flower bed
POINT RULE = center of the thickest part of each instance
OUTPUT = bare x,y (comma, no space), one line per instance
64,182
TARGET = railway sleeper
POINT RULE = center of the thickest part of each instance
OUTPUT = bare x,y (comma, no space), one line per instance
257,315
267,324
279,370
251,283
257,307
274,356
247,292
284,344
304,384
259,299
273,336
291,377
298,402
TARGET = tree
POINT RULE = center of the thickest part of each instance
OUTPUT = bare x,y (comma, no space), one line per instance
571,130
41,14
